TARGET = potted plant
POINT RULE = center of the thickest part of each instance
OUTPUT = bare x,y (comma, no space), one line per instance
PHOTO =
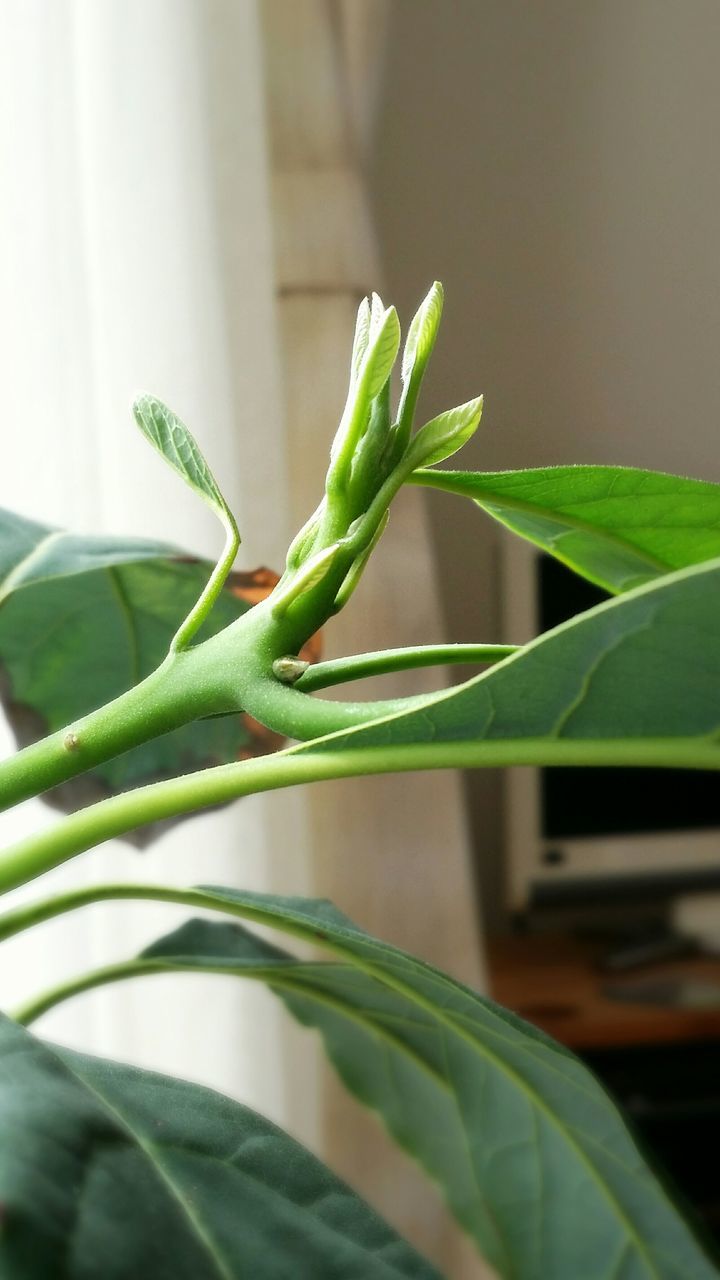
111,1172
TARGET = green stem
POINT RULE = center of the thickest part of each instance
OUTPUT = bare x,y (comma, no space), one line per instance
322,675
169,697
213,587
123,813
230,672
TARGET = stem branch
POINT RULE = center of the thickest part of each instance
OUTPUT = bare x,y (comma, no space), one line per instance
322,675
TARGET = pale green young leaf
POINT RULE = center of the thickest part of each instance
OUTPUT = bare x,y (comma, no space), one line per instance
358,567
311,573
177,446
362,335
418,349
443,436
108,1171
617,526
382,352
375,369
174,442
422,333
377,313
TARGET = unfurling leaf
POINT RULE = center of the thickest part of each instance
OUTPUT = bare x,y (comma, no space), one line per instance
360,341
422,333
308,576
374,371
358,566
381,353
418,349
377,313
177,446
444,435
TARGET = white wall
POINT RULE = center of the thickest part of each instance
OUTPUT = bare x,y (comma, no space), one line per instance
556,166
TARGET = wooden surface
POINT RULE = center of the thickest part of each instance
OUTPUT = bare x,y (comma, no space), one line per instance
556,983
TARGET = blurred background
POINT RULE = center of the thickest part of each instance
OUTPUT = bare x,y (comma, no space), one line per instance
196,195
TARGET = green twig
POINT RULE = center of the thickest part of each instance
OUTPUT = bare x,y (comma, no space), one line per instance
323,675
123,813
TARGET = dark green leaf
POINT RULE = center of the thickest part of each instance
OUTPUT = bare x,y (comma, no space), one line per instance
617,526
110,1173
534,1158
83,619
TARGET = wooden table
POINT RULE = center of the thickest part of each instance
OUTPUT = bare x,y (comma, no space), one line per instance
556,982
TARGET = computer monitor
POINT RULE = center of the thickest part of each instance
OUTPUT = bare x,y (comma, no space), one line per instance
587,834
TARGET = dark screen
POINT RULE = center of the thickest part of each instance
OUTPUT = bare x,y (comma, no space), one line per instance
598,802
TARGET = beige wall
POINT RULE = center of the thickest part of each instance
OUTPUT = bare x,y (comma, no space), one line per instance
556,165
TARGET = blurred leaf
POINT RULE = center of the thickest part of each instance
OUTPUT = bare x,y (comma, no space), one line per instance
534,1158
108,1171
82,620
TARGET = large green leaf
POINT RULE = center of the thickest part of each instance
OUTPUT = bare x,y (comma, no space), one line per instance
110,1173
635,680
534,1158
84,618
617,526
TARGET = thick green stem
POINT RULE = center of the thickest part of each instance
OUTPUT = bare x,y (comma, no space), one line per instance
323,675
228,673
166,699
115,817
